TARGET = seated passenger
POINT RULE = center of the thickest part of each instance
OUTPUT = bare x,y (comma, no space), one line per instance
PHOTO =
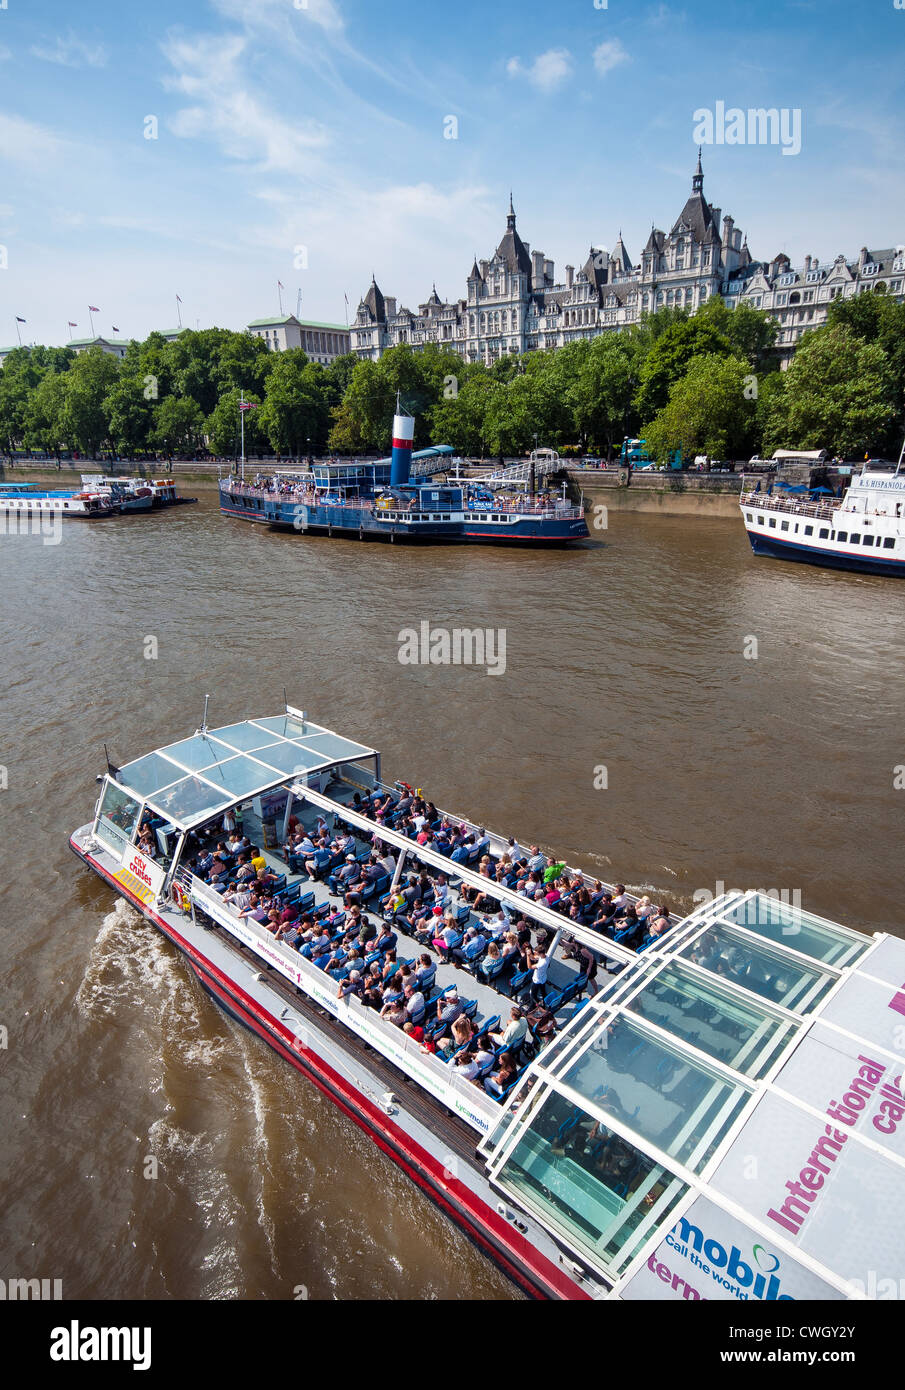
515,1032
500,1080
491,958
466,1065
449,1007
473,945
343,878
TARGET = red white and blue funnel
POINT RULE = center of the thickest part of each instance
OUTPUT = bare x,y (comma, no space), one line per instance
401,460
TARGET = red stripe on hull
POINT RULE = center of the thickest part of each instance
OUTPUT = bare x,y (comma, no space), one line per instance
542,1278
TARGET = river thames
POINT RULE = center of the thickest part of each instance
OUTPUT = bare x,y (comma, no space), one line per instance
673,713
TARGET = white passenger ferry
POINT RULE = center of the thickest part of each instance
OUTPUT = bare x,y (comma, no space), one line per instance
722,1118
864,531
27,501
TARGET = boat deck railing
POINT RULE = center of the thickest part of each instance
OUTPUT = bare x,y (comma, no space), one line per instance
822,511
497,846
310,498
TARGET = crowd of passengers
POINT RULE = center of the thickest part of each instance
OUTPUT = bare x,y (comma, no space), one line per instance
360,951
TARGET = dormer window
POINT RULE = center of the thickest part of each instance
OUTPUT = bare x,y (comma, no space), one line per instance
870,269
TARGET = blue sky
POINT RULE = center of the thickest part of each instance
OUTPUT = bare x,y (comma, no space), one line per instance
283,124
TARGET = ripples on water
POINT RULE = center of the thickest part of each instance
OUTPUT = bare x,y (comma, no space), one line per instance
776,772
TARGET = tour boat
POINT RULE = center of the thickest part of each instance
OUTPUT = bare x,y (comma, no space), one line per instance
159,492
382,500
125,494
721,1119
25,501
864,530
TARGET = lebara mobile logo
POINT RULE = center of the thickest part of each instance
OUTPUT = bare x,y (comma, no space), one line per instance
767,1262
759,1279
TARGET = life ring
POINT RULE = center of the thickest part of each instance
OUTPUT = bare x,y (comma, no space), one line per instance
181,898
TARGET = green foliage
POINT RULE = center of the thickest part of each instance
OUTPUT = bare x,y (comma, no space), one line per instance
669,355
224,429
708,411
838,394
689,376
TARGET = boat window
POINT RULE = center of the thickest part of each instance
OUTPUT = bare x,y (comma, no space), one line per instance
744,1033
809,530
438,516
118,817
855,538
789,925
659,1090
783,526
773,522
841,535
763,968
868,540
589,1181
823,533
749,516
888,542
761,518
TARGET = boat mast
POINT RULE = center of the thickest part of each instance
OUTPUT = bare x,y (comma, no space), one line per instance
899,464
242,425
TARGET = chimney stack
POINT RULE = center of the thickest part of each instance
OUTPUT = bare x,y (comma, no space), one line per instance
570,276
548,272
807,263
537,270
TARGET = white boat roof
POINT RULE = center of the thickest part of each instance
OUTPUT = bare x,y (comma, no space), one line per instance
193,779
753,1068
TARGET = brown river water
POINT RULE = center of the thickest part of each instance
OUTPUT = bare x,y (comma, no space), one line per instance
628,654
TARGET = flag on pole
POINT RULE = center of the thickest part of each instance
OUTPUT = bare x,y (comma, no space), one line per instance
71,324
248,405
281,285
114,327
178,300
93,309
18,320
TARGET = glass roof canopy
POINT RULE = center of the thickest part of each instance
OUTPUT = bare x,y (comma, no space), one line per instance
633,1115
196,778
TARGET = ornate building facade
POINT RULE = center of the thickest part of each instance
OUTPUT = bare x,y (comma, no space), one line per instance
514,302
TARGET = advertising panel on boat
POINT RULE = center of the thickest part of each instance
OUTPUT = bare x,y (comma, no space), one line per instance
708,1254
144,869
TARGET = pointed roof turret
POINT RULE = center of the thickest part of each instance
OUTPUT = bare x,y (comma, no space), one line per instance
512,249
697,182
621,258
697,214
475,273
374,301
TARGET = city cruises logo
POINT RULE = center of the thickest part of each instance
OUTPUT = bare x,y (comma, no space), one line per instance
758,125
756,1276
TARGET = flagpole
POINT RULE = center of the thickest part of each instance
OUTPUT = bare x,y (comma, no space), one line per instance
242,419
280,296
18,332
91,321
178,311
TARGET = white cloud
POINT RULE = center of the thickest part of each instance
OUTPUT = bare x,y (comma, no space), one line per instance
208,71
72,52
548,70
321,12
609,55
23,142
